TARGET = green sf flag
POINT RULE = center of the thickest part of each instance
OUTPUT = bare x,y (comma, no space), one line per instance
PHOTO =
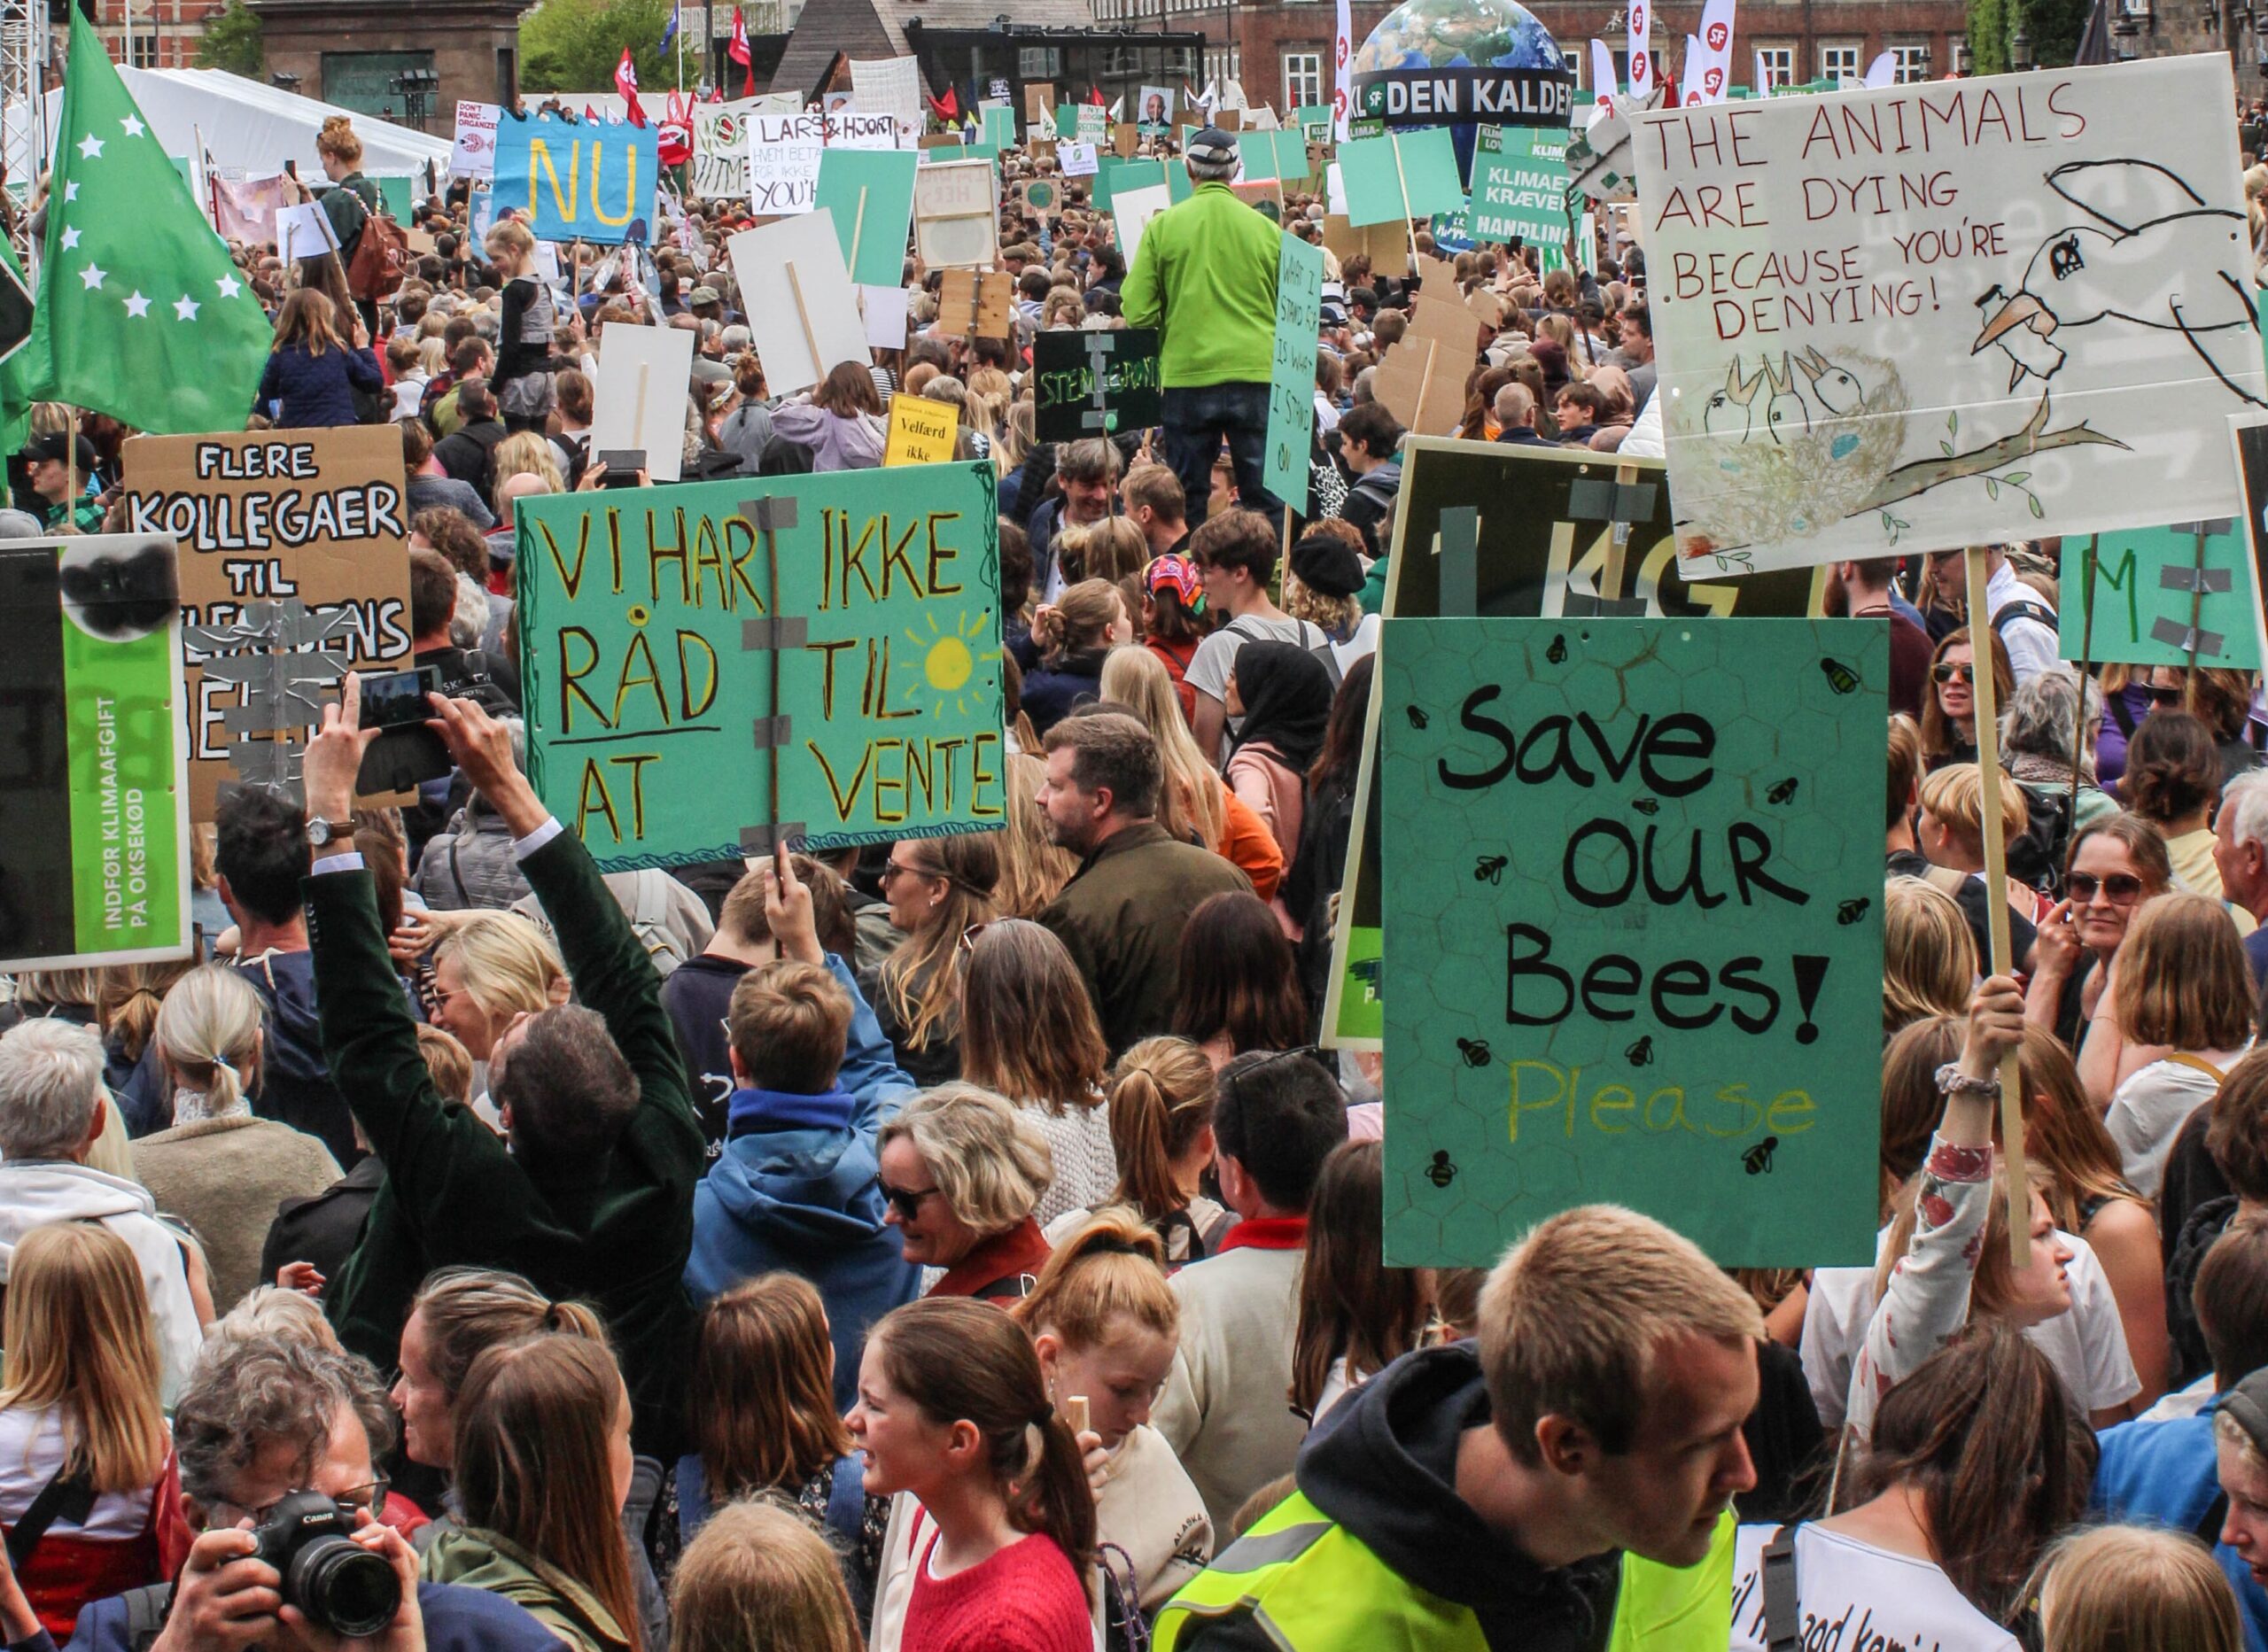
141,315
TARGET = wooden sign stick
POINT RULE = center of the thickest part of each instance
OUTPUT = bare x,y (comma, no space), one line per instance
804,319
2079,707
858,228
1401,181
2018,1185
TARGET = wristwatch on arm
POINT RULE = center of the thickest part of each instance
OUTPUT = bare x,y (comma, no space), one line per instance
328,834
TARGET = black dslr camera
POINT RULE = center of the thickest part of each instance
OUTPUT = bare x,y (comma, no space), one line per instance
338,1583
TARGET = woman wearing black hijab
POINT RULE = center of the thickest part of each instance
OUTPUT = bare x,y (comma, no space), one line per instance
1283,693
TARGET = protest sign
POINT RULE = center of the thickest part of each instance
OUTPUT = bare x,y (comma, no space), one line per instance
1400,175
1093,123
639,401
586,181
247,210
1633,893
2056,261
1485,529
1281,156
721,151
1520,185
1093,383
849,128
2249,433
1039,106
1114,176
921,431
1000,128
1154,111
885,309
783,160
2153,591
871,194
473,155
94,784
977,305
956,214
891,85
1077,160
303,231
801,303
671,700
1133,209
1291,387
294,569
1385,244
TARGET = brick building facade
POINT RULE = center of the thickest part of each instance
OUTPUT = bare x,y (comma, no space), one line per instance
163,33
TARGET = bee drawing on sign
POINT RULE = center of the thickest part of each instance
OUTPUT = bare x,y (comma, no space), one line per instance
1417,719
1782,792
1475,1052
1558,652
1853,910
1647,806
1490,869
1641,1053
1840,677
1442,1172
1758,1159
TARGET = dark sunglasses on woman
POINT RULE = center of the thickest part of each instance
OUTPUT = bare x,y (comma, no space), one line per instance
1946,671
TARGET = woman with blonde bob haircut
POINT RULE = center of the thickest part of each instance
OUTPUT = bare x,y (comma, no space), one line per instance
1929,957
2182,994
526,453
939,890
1028,1031
963,1169
2125,1588
761,1399
759,1579
81,1393
489,968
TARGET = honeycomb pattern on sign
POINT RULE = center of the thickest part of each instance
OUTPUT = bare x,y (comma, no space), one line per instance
1493,1124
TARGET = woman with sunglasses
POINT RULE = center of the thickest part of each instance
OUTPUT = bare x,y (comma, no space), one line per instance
963,1170
1949,710
2222,700
2117,864
489,969
939,889
1030,1034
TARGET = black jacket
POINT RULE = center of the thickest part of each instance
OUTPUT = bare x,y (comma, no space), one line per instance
326,1227
1383,1464
465,455
697,994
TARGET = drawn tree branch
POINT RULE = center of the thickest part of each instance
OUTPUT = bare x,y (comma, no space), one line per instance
1924,474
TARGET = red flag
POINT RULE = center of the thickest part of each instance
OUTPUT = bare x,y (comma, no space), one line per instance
717,94
675,136
947,107
626,82
590,114
1094,96
739,53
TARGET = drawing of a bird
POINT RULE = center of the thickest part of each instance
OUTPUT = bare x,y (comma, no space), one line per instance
1832,387
1727,414
2154,255
1786,418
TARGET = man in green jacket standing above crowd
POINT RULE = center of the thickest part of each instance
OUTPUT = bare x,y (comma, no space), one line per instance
1204,276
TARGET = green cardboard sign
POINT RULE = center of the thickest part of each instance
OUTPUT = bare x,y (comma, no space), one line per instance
1273,157
1314,122
1067,122
2144,595
1291,379
1178,186
1634,921
1486,529
870,193
649,650
399,196
1520,185
1001,129
1400,175
1113,174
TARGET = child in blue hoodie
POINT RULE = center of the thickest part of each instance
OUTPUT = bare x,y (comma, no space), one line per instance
797,1184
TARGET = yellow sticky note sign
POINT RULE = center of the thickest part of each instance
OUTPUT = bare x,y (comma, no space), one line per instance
921,431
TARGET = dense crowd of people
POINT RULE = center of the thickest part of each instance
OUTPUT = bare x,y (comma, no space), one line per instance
966,1242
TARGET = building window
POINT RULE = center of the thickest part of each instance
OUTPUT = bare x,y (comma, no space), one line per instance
1961,64
1303,79
1839,64
1778,64
142,46
1038,62
1912,63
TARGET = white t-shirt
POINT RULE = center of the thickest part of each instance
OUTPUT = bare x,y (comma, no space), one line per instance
1851,1594
2087,1343
31,1450
2148,1111
2031,644
1216,656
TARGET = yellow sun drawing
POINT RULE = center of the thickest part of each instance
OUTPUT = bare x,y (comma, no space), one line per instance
949,661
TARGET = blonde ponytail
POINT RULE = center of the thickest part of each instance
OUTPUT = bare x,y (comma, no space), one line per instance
208,1035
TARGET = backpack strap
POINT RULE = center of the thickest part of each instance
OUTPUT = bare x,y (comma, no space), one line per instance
146,1610
846,1500
1782,1617
69,1495
2196,1064
2022,608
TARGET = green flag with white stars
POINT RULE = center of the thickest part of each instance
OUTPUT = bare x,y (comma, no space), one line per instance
141,315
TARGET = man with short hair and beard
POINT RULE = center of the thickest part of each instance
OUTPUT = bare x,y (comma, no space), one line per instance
591,1193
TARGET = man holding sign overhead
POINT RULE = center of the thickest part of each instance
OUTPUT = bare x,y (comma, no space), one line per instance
1204,276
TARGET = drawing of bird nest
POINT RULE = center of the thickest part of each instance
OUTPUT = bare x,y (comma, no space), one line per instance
1802,440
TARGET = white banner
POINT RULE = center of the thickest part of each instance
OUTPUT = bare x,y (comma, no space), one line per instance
474,155
783,159
720,147
2058,258
891,85
853,128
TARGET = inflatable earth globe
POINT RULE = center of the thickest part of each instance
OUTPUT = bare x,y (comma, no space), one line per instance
1463,64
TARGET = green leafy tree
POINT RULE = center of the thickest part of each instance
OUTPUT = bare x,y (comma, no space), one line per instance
572,45
232,41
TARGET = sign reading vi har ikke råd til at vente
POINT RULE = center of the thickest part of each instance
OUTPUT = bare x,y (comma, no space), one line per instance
651,645
1633,928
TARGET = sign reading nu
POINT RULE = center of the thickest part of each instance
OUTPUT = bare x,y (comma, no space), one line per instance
587,179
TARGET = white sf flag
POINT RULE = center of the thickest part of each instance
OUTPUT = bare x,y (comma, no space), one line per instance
1716,50
1883,71
1601,79
1689,73
1641,63
1342,57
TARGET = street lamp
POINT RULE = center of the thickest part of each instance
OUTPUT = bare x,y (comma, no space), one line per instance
2020,52
416,88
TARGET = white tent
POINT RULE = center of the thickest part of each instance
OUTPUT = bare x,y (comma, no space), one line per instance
257,128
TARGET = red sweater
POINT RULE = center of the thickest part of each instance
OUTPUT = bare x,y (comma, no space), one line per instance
1025,1599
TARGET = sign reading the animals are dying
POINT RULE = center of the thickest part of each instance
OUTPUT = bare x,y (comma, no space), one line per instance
717,665
589,180
1932,314
1633,919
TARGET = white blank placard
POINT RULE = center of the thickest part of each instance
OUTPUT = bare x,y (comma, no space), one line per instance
804,322
639,400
